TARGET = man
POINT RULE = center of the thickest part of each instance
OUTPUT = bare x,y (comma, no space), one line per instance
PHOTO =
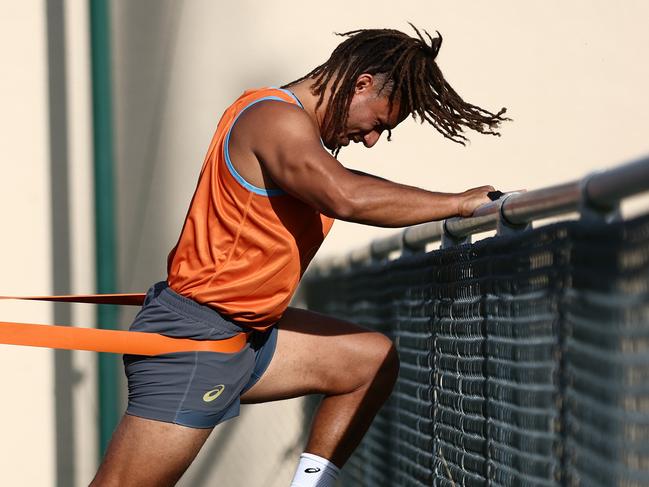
266,197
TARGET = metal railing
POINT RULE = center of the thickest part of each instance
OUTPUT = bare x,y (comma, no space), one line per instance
596,197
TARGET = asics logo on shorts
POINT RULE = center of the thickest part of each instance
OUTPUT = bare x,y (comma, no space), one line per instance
212,394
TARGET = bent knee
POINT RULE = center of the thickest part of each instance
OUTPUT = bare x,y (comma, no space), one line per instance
364,360
389,359
381,361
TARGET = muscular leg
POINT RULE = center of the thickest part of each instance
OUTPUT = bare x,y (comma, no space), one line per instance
143,452
353,367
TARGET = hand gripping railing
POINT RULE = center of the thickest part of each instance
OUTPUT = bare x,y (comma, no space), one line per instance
596,197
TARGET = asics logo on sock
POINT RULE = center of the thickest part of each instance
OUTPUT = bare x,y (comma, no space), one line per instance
210,395
312,470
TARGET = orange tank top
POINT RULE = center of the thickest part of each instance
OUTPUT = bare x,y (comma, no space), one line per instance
243,249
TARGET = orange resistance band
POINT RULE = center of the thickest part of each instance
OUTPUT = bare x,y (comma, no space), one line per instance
112,341
135,299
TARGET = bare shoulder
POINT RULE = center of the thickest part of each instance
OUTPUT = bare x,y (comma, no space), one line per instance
274,121
277,144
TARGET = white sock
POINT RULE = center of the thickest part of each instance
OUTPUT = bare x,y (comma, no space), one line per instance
315,471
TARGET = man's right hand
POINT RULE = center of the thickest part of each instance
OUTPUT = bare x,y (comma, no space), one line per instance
473,198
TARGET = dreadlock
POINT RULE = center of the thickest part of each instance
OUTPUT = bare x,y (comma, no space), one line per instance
412,76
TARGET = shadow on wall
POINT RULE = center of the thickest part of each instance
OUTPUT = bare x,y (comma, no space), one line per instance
145,36
177,66
65,375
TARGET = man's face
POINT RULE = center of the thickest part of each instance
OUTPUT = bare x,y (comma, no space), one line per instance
369,113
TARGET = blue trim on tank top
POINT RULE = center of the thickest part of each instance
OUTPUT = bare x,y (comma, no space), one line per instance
228,161
292,95
230,166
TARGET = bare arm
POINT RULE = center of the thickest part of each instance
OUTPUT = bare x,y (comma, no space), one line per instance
361,173
287,144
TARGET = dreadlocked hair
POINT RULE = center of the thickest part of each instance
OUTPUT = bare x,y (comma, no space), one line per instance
411,75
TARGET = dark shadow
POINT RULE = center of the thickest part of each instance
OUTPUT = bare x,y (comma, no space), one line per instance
64,374
145,47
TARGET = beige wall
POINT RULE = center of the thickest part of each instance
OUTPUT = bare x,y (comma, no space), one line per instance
572,75
26,448
29,444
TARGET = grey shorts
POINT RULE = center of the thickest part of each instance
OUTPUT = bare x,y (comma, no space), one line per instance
196,389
